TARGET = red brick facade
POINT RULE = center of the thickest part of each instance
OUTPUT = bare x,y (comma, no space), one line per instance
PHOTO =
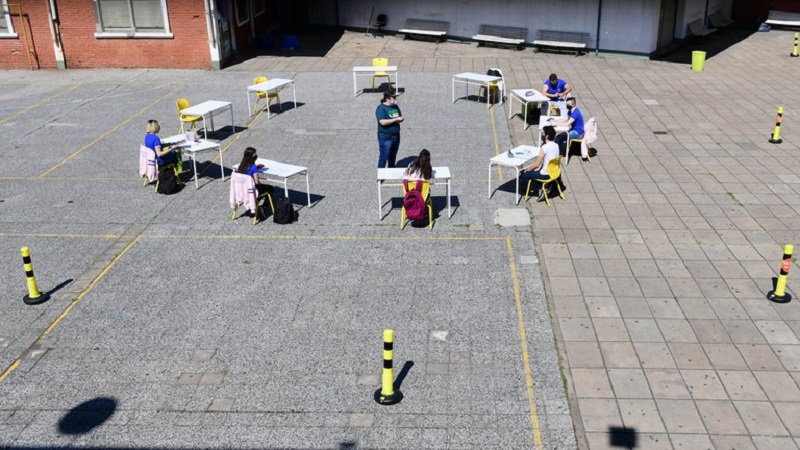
39,39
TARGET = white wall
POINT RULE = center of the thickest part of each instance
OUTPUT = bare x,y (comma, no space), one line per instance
628,25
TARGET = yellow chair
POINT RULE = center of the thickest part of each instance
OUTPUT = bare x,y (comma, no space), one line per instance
554,170
380,62
268,96
569,147
238,177
426,190
182,104
493,87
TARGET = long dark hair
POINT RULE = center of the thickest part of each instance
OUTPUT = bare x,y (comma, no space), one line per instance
248,160
423,164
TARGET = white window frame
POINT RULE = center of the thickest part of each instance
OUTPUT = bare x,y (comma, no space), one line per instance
239,21
262,4
5,15
103,34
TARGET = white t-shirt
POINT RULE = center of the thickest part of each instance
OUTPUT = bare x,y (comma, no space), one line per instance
550,151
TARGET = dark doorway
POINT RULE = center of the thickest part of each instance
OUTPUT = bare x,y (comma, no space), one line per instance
666,23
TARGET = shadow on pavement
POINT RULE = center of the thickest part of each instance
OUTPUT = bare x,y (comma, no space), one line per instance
714,43
87,416
622,437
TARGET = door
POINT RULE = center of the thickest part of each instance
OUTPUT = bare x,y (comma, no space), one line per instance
666,23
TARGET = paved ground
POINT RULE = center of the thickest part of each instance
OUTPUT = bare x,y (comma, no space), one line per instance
198,331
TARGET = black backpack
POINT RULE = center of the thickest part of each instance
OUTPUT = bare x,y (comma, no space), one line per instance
284,211
167,182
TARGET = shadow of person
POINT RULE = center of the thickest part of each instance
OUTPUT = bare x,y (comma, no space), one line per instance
87,416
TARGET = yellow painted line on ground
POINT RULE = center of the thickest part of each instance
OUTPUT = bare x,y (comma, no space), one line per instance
71,305
40,103
104,135
523,337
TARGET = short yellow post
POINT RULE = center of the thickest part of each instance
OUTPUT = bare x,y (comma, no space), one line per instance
794,51
779,295
34,296
387,395
776,135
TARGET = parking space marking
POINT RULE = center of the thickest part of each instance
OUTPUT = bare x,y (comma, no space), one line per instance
40,103
523,337
104,135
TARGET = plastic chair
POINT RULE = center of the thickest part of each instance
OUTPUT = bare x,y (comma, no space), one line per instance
267,95
495,85
243,183
590,135
554,171
380,62
569,148
380,22
426,190
182,104
148,169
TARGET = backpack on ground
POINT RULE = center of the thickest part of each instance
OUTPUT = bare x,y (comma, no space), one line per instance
413,202
167,182
284,211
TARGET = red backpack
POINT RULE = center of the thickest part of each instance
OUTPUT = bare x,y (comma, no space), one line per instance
413,203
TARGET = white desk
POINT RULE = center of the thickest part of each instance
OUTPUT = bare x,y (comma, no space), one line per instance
477,79
523,155
525,96
370,70
396,174
545,121
270,87
208,108
282,172
192,148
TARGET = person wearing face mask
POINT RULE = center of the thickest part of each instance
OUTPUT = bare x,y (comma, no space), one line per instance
389,117
575,122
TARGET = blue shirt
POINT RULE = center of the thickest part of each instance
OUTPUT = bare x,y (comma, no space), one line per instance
252,170
561,86
388,112
577,126
151,141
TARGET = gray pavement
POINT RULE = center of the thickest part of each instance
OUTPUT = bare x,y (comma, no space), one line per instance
646,320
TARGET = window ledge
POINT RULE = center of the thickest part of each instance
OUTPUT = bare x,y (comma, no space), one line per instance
132,35
9,35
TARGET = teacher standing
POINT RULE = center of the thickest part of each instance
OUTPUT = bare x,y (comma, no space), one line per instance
389,117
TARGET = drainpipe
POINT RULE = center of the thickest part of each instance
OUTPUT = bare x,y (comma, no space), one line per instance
597,39
213,40
55,32
705,16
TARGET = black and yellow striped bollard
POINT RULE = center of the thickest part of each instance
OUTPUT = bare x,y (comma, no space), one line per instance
779,295
34,296
794,51
776,135
387,395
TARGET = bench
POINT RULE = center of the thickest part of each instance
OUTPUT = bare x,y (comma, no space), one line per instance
501,35
698,28
784,18
717,20
424,29
561,40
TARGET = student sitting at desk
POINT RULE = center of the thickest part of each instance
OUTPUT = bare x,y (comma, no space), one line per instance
575,122
556,89
538,170
248,167
421,168
164,155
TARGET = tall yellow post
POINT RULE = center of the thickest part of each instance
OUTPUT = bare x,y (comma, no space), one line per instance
776,135
34,296
779,295
387,395
794,51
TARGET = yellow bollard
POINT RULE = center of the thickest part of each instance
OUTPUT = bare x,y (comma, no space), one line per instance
776,135
387,395
779,295
34,296
794,51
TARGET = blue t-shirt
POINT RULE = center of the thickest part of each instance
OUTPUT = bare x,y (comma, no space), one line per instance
252,170
561,86
151,141
577,126
388,112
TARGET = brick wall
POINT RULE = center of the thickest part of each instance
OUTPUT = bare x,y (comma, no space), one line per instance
12,51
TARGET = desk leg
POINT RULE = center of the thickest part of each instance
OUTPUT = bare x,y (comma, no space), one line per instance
233,126
510,104
490,180
194,171
488,95
221,165
380,202
396,82
294,95
211,119
449,213
205,129
249,111
453,89
355,86
308,190
516,185
286,187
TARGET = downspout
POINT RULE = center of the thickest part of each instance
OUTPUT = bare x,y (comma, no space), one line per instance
705,16
213,41
55,32
597,39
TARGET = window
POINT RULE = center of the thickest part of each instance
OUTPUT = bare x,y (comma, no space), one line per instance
6,27
145,18
242,11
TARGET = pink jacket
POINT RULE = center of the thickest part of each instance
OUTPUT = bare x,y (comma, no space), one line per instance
243,191
589,136
147,164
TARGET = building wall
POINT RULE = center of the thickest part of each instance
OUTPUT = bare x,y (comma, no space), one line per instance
628,25
691,10
39,38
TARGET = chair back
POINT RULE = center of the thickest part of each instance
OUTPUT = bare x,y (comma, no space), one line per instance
259,80
147,163
381,20
243,191
380,62
412,184
500,84
181,104
554,168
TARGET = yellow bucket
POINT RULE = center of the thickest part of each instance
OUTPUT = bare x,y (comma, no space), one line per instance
698,61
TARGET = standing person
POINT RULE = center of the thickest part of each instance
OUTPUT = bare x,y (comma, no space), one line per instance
389,117
164,155
556,89
575,122
538,170
421,168
248,167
